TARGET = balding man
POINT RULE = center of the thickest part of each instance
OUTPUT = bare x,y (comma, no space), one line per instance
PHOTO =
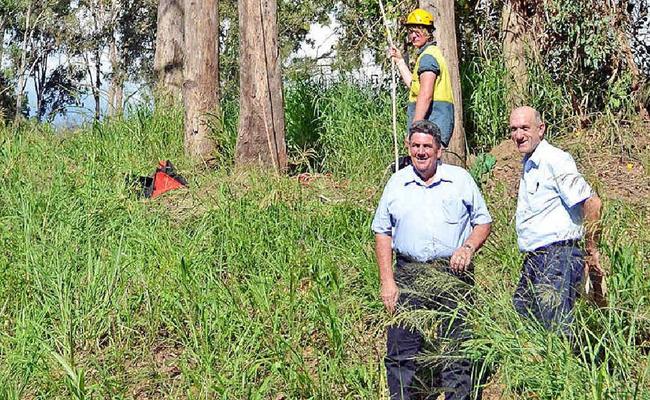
553,203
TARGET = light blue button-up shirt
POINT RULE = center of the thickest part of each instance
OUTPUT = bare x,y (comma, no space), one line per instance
551,194
427,222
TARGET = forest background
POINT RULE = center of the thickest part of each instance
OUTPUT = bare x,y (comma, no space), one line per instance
260,281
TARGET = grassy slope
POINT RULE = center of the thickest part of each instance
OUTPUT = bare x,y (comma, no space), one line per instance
252,286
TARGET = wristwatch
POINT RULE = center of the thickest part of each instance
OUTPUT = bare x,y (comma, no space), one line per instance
469,246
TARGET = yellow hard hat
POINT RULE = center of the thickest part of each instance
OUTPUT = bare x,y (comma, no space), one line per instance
420,17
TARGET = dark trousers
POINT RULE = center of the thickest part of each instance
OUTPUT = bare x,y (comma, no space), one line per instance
549,285
418,290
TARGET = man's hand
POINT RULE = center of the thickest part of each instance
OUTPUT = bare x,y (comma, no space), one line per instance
596,276
394,53
389,295
461,258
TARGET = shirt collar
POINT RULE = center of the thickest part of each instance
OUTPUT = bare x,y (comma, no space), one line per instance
441,175
538,153
427,44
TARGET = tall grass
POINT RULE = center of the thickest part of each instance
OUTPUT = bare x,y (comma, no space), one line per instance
240,287
254,286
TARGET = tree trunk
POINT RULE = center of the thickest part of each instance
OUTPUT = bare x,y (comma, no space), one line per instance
261,111
115,55
168,59
514,53
39,76
3,23
98,83
201,70
116,88
22,68
445,23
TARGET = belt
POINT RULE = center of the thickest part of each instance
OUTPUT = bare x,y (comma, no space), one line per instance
406,259
561,243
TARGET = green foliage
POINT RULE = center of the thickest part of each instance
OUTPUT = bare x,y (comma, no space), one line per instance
357,137
482,168
239,290
484,98
257,286
575,66
579,49
552,100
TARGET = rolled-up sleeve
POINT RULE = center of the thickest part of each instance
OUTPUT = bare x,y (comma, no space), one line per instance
571,185
428,63
478,211
381,223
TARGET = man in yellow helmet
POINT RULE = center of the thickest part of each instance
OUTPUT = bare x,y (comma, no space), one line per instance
430,95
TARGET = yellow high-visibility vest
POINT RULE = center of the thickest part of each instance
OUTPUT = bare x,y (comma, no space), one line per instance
442,87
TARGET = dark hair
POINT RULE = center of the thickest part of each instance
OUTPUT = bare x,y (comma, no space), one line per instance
426,127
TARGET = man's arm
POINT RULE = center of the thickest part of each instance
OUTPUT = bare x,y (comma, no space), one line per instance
423,101
462,257
401,65
591,217
384,253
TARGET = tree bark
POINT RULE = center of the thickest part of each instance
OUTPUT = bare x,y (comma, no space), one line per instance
168,58
22,68
39,76
260,137
445,23
115,55
514,53
201,70
116,88
3,22
98,83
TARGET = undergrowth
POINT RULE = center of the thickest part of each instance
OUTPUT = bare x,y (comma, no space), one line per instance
251,286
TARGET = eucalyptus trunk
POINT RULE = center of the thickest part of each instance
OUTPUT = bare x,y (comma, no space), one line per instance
22,67
260,139
168,58
201,81
98,83
513,29
445,23
116,88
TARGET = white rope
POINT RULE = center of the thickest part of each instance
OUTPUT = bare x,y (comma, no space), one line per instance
393,85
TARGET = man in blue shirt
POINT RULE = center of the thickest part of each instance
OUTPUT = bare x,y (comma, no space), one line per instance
433,217
554,200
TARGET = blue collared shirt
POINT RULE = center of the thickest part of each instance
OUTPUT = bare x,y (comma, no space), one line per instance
551,194
430,221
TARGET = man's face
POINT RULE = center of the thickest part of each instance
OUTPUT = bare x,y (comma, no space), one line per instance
418,36
525,131
424,152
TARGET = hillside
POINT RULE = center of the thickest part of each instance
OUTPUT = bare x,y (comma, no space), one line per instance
248,285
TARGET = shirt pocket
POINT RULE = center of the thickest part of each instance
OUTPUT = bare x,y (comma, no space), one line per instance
454,211
538,196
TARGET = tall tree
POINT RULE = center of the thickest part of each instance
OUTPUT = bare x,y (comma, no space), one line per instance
261,110
117,77
201,76
131,37
514,33
445,22
168,59
21,72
